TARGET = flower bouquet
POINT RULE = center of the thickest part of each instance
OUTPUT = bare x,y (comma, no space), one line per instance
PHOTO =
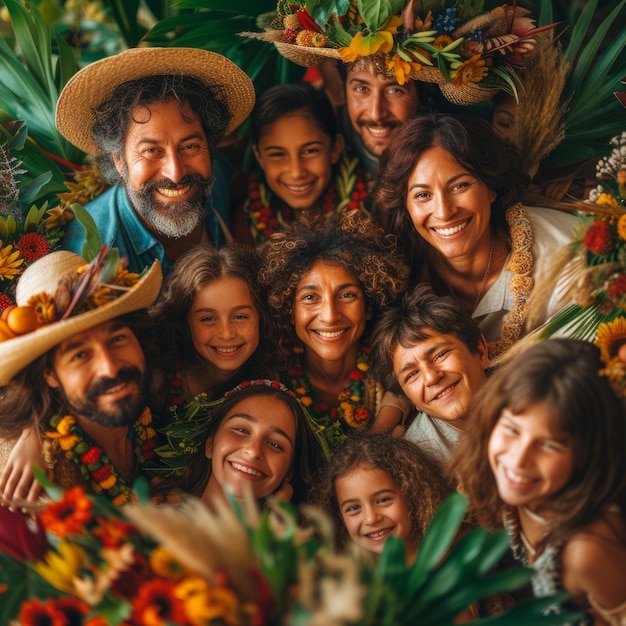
598,309
82,561
468,52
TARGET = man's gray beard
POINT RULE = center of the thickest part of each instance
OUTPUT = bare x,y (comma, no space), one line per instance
176,219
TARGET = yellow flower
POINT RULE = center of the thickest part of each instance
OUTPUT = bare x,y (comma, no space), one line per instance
362,366
44,307
380,41
61,569
607,199
306,400
205,603
609,338
402,69
107,483
10,262
165,564
621,227
442,41
146,417
471,71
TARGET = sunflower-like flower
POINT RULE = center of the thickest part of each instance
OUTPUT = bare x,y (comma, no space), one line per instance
156,603
44,307
166,565
69,515
366,45
10,262
88,185
205,603
471,71
610,336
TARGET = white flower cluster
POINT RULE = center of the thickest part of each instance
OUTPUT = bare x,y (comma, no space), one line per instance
609,166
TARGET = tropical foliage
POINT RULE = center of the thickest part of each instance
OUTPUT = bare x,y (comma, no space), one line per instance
87,562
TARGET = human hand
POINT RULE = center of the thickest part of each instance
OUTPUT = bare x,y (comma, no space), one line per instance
17,481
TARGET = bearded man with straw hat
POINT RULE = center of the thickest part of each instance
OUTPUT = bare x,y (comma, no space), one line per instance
77,378
153,118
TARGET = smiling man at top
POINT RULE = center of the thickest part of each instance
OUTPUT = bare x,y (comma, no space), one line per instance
153,117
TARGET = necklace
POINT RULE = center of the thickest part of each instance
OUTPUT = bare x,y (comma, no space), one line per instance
266,216
532,551
485,275
357,402
535,517
94,465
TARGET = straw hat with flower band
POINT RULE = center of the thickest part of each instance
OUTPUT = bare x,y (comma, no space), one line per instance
465,51
92,85
48,282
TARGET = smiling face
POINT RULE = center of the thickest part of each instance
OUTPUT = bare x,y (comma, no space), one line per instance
530,462
253,447
101,373
372,507
330,311
449,207
440,374
297,158
378,106
224,324
166,167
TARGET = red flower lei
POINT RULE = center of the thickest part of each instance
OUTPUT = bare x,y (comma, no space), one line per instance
349,191
94,465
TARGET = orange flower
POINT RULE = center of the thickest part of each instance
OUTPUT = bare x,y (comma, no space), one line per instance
402,69
442,41
69,515
156,604
34,613
471,71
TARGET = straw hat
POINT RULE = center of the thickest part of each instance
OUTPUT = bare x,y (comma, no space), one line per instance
92,85
43,276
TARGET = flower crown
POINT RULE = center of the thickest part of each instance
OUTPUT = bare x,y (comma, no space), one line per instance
452,43
266,382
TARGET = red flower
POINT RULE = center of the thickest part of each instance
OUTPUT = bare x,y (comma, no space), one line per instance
112,532
361,414
103,473
33,246
69,515
36,613
92,455
156,603
599,238
127,584
356,375
73,609
19,538
617,287
5,302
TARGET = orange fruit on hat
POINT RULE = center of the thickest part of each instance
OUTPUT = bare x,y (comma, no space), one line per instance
22,320
6,312
5,331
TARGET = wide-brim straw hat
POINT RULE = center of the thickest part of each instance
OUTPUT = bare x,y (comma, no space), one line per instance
44,275
92,85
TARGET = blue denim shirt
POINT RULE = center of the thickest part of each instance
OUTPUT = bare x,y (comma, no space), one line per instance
120,227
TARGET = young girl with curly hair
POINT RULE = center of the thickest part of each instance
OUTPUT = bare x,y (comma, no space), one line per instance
545,454
324,284
377,485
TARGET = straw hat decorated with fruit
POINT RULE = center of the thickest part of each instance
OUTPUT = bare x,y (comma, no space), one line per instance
61,295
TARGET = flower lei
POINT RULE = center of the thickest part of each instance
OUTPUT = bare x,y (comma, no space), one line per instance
266,218
357,402
94,465
520,265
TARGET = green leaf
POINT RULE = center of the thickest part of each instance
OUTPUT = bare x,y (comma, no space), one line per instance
93,243
376,12
321,10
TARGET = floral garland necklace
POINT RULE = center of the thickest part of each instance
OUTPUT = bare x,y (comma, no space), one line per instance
94,465
520,265
357,402
266,218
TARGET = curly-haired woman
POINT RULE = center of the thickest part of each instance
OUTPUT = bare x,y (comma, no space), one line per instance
324,283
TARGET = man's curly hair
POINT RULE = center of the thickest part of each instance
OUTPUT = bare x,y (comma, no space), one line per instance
349,239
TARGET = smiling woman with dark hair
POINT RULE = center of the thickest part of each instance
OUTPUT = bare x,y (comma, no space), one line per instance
451,191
